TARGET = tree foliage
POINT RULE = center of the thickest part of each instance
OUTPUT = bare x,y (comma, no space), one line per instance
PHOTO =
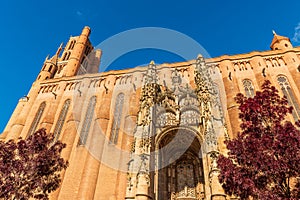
263,160
30,167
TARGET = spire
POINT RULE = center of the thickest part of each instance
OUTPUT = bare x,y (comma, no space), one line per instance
274,33
151,76
59,49
54,59
47,58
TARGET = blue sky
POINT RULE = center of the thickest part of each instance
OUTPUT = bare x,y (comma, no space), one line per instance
30,30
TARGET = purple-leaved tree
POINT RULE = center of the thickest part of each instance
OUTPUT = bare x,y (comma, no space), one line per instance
263,160
30,168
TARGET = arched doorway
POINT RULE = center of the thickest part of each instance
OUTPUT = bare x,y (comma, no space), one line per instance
180,169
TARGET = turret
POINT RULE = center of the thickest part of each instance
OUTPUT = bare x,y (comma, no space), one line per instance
78,57
50,66
280,42
78,47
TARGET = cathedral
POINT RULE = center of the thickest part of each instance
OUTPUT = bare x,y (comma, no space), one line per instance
151,132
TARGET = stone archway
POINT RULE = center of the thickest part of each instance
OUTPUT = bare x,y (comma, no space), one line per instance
179,166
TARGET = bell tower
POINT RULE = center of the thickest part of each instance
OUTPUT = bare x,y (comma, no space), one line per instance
75,50
76,58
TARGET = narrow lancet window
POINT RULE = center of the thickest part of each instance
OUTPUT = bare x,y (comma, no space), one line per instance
117,119
288,93
61,119
87,121
248,87
37,118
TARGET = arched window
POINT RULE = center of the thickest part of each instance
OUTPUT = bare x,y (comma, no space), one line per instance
117,119
37,118
64,56
61,119
72,43
287,91
50,68
68,56
87,121
248,87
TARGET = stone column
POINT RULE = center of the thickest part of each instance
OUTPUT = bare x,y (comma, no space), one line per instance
142,163
142,187
217,192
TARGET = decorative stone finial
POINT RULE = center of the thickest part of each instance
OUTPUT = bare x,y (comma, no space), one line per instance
199,56
59,49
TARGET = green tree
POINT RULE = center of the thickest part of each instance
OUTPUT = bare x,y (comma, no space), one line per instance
30,167
263,160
